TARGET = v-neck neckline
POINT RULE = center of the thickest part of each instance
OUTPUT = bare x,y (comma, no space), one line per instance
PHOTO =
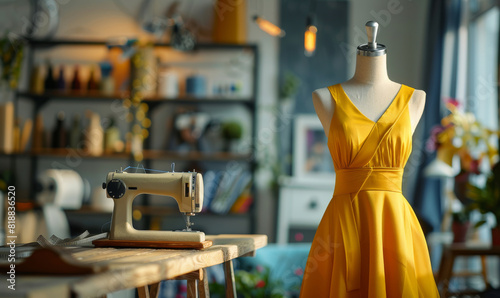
363,115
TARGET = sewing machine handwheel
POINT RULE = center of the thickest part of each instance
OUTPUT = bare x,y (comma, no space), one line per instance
116,188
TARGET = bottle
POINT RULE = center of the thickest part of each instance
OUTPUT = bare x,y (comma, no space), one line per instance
107,80
59,133
38,133
50,82
75,134
61,83
76,83
92,84
112,137
37,81
94,135
16,134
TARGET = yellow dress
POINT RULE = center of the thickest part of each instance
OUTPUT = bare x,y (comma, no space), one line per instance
369,242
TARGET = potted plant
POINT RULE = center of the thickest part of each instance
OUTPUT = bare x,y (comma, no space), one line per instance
231,132
487,199
460,225
254,283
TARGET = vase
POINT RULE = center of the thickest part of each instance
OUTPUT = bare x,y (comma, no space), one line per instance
460,230
495,236
6,118
230,20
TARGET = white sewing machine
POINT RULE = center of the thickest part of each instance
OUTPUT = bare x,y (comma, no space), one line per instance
185,187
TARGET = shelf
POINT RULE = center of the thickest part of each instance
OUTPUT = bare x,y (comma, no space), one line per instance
155,211
69,42
148,155
65,152
72,95
195,156
44,97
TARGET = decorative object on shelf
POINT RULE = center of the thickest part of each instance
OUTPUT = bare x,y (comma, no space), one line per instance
229,189
76,83
36,80
112,140
94,135
16,135
107,86
119,52
38,133
196,86
59,139
75,133
230,22
50,82
61,81
232,131
25,135
7,127
168,84
311,157
181,38
11,55
189,129
92,84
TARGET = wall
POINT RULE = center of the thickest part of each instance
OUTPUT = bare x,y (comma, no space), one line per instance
402,28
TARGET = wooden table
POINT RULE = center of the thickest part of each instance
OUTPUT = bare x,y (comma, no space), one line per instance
451,252
125,268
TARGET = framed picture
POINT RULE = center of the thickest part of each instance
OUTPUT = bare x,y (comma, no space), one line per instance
311,158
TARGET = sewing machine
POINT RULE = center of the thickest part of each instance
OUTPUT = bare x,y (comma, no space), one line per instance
185,187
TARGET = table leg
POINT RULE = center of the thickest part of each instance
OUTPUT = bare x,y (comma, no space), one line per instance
143,292
147,292
445,272
229,276
154,290
203,290
192,291
484,271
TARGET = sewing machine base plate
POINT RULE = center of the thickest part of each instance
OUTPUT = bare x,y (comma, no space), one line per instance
152,244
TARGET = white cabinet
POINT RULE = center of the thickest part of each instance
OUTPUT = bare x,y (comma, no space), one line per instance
301,205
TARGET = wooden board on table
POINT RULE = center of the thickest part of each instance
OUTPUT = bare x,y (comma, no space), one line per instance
152,244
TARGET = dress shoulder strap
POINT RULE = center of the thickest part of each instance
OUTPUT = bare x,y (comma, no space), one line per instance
334,92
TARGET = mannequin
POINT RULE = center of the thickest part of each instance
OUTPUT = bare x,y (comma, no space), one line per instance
370,89
369,243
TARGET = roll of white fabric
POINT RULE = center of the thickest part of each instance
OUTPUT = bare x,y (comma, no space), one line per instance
63,188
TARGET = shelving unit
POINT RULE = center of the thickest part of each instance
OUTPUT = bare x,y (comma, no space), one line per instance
39,101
